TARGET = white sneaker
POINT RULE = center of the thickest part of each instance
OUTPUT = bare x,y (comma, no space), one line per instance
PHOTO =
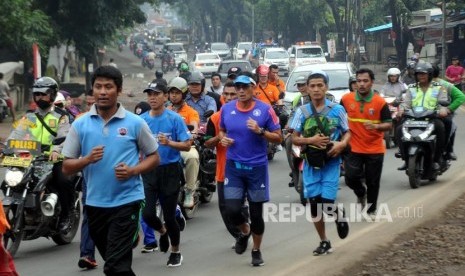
188,200
279,148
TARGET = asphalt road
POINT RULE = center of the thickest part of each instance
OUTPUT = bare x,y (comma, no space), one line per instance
288,243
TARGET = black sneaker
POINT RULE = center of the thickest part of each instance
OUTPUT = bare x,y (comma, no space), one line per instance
257,258
164,242
174,260
342,225
241,243
323,249
148,248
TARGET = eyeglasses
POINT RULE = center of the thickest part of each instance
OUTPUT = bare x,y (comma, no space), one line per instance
240,86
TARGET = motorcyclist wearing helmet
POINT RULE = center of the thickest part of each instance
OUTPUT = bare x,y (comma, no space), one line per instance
197,99
425,94
457,98
353,86
394,87
159,78
183,69
48,126
408,77
177,91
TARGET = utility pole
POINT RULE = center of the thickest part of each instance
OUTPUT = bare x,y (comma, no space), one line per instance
359,31
443,53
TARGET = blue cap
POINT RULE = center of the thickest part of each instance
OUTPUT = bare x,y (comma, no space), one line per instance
244,79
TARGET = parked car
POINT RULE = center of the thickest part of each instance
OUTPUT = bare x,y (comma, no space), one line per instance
338,73
278,56
222,49
227,64
178,51
306,54
207,63
238,52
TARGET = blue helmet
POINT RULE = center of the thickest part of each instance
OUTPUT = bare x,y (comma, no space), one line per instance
318,74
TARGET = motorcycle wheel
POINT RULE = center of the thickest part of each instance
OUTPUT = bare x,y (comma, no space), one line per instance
206,197
188,213
270,156
68,236
11,240
415,165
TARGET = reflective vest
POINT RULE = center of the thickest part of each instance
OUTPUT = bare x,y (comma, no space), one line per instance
428,100
37,131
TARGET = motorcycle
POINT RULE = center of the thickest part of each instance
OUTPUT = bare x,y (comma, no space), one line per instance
392,61
3,110
296,163
149,63
120,47
206,184
31,207
419,143
165,66
389,136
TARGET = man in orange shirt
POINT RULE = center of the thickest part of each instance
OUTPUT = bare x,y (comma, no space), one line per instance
369,117
177,90
264,91
213,129
274,79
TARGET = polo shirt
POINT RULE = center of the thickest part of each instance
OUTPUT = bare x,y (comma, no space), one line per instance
373,109
124,136
202,105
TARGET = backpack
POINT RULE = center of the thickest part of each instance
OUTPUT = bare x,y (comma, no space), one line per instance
311,126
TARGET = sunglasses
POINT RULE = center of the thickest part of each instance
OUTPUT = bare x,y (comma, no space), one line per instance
240,86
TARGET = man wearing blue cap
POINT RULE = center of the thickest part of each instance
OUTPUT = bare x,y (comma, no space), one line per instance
246,126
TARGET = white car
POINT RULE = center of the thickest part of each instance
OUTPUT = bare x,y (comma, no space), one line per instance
277,56
207,63
338,73
239,50
178,51
222,49
305,55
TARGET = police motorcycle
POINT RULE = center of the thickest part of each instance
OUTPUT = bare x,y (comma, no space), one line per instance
206,184
31,207
419,143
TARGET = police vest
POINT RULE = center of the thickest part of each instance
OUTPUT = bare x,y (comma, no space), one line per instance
428,99
38,132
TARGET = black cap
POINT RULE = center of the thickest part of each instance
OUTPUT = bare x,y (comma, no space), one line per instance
234,72
156,87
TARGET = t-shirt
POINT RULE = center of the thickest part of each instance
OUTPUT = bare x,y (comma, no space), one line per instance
271,92
173,127
124,136
336,122
280,86
202,105
213,128
360,110
455,73
187,113
248,148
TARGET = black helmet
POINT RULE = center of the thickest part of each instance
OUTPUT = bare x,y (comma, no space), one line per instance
141,108
197,77
425,68
352,79
46,85
411,65
158,74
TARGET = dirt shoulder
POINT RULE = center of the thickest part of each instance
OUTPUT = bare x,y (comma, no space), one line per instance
437,247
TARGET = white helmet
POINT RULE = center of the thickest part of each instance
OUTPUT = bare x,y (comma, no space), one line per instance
393,72
59,98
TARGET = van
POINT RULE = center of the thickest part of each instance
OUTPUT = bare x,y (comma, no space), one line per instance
306,55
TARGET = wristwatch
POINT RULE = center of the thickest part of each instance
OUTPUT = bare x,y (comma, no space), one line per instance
261,132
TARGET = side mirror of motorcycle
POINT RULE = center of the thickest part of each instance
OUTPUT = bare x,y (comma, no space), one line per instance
396,103
58,141
208,113
444,103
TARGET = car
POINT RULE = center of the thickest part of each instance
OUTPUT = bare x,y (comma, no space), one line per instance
238,52
178,51
338,73
222,49
159,43
207,63
306,54
227,64
277,56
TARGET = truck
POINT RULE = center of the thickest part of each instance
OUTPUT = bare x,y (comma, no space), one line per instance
181,35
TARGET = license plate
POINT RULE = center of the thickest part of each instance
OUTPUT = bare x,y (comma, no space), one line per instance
9,161
209,64
417,123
